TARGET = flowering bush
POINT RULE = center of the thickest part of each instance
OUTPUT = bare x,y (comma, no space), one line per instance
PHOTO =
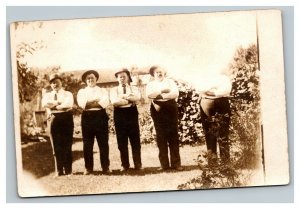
189,124
147,130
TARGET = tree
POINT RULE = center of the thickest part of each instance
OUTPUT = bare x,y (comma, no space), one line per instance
28,86
27,80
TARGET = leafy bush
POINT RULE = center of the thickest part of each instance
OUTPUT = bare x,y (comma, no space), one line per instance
215,174
245,105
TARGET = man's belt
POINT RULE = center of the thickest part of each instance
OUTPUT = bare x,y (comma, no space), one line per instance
213,97
93,109
126,106
65,110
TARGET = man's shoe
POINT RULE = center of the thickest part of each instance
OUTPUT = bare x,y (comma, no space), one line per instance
106,171
178,168
138,168
163,169
58,174
87,172
124,169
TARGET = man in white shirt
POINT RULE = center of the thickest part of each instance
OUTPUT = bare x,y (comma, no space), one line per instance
215,117
58,104
164,112
124,98
94,121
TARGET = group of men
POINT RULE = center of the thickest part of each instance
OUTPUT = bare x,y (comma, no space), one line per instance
93,100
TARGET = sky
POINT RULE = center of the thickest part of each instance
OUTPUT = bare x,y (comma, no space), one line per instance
189,46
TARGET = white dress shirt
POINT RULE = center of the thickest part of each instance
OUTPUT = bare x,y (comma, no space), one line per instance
220,86
117,97
154,88
65,98
88,94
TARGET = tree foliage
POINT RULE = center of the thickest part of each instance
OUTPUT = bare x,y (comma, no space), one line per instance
26,83
27,80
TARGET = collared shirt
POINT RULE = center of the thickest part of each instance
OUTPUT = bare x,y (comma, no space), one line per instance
63,97
117,96
220,86
154,88
88,94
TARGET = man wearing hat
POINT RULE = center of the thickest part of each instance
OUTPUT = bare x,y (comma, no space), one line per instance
58,104
94,121
124,98
163,91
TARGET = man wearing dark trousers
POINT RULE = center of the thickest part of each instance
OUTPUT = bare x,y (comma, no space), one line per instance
164,112
124,98
215,117
58,104
94,121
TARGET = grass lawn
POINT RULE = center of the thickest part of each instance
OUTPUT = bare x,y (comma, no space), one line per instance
38,162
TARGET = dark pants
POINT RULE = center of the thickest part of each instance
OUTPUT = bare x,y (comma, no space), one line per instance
215,118
166,125
127,126
95,124
61,133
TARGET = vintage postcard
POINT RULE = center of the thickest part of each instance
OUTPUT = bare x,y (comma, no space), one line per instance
149,103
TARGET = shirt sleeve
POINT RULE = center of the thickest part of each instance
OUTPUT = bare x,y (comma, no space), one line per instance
174,93
223,88
136,95
104,98
81,98
151,91
115,99
68,100
46,99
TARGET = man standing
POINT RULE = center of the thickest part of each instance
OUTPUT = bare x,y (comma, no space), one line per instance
124,98
164,112
94,121
215,117
58,104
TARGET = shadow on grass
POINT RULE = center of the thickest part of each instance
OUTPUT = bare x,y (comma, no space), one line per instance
37,158
143,172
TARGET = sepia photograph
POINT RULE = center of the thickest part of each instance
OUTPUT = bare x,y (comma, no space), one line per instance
166,102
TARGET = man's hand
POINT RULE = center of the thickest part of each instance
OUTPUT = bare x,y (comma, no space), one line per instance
52,105
129,97
123,96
